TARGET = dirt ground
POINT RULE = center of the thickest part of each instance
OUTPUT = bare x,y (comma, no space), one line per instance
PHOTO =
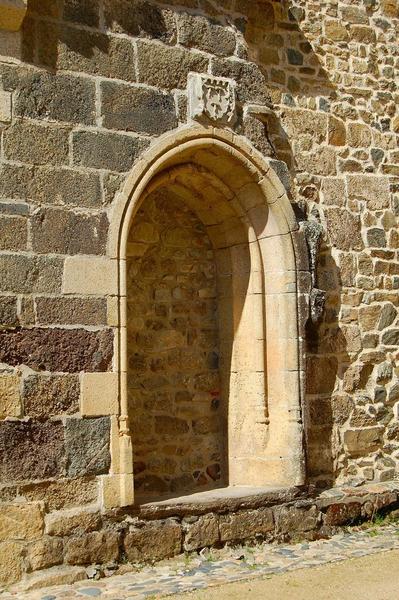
374,577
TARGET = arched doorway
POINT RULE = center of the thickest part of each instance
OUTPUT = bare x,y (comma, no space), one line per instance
234,200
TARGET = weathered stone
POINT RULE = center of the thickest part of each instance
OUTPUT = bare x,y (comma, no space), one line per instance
166,425
31,450
341,408
323,162
57,349
11,555
14,233
71,311
64,232
359,442
359,135
86,13
344,229
305,122
200,533
388,316
335,31
45,553
42,96
137,109
96,547
246,524
21,522
140,18
66,186
76,522
374,190
153,541
10,402
87,444
29,142
376,238
50,395
8,312
63,493
342,514
354,14
292,520
199,32
106,150
333,190
369,316
320,374
390,337
15,181
167,68
251,83
30,274
356,377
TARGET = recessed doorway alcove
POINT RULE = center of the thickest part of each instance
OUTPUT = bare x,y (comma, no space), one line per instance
208,345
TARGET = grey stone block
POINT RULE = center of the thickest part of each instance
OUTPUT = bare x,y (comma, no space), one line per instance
87,446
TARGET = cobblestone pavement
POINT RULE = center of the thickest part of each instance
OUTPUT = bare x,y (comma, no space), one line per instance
214,567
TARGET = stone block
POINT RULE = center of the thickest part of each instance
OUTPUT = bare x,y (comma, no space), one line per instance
46,396
321,372
251,83
65,350
87,443
335,31
321,162
12,13
98,547
291,519
387,317
373,189
376,238
90,276
11,555
354,14
336,132
30,274
390,337
45,553
31,450
72,522
86,13
110,151
25,141
14,233
21,522
140,18
5,107
246,524
137,109
200,532
56,231
342,514
15,181
100,394
344,229
203,34
44,95
8,312
359,135
170,426
63,493
359,442
10,401
305,122
71,311
167,68
66,187
154,540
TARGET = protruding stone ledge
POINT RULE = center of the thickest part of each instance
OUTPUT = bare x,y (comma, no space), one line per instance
12,13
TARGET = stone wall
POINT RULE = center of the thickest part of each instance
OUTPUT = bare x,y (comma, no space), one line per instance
173,349
85,88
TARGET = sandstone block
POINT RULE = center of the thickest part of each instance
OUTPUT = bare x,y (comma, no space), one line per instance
359,135
118,490
335,31
167,68
15,181
100,393
31,450
388,316
373,189
12,14
155,540
201,532
137,109
29,142
246,524
66,186
87,443
342,514
376,238
49,395
292,520
341,408
11,554
72,522
301,122
200,32
336,132
165,425
30,274
390,337
5,107
251,83
45,553
369,316
320,374
359,442
333,191
354,14
21,522
42,96
10,402
344,229
64,232
90,276
8,312
65,350
86,13
14,233
322,162
144,20
71,311
96,547
63,493
106,150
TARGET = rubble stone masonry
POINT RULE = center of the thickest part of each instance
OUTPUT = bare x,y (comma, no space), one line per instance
85,89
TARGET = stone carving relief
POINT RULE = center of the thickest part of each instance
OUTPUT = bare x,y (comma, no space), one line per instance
211,99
